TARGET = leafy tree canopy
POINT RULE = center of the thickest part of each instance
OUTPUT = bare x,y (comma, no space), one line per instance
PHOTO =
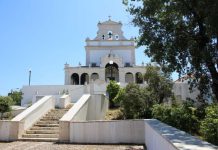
16,96
180,35
159,84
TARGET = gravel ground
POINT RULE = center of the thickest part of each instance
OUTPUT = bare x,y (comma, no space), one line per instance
55,146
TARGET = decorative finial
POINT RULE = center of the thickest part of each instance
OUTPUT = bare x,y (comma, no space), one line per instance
109,17
66,65
143,63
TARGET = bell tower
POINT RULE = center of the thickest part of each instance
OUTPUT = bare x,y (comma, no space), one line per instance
110,40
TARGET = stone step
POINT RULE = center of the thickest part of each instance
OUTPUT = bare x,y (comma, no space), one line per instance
39,139
48,122
64,109
57,112
54,115
47,128
40,135
46,119
46,125
42,132
44,128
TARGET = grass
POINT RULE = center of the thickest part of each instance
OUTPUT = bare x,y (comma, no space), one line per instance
114,114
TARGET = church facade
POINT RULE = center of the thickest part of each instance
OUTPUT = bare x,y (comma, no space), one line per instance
109,56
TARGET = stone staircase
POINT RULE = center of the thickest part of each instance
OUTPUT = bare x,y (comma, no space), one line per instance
47,128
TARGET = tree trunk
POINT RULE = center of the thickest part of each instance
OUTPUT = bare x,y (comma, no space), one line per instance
1,116
214,76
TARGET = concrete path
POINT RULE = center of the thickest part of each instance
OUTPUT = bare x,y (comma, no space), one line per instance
55,146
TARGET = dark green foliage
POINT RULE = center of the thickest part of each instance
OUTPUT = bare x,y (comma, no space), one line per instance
119,97
181,36
209,126
5,103
16,96
159,84
136,102
182,117
112,89
133,103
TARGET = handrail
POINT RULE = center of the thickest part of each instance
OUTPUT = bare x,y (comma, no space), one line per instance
32,108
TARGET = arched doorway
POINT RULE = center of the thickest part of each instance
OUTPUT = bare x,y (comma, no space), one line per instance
75,79
112,71
94,76
84,79
138,78
129,77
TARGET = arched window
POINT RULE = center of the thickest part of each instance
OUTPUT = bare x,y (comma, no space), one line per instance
112,71
129,77
75,79
94,76
110,34
84,79
139,78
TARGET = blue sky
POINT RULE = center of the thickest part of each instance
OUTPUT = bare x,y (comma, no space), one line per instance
45,34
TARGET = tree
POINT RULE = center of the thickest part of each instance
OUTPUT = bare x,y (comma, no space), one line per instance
5,103
16,96
112,89
182,35
159,84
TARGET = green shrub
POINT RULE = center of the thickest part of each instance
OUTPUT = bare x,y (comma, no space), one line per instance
133,104
112,89
182,117
5,104
119,97
209,126
162,113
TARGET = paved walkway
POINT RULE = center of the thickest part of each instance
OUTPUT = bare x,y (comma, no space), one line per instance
54,146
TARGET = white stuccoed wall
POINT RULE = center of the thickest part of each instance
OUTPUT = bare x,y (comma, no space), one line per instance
9,130
30,92
160,136
151,132
88,107
181,90
108,132
64,101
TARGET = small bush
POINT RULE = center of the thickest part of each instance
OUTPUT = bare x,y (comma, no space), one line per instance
182,117
209,126
112,89
133,104
5,104
119,97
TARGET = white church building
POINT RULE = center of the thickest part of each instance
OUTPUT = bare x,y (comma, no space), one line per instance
110,55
